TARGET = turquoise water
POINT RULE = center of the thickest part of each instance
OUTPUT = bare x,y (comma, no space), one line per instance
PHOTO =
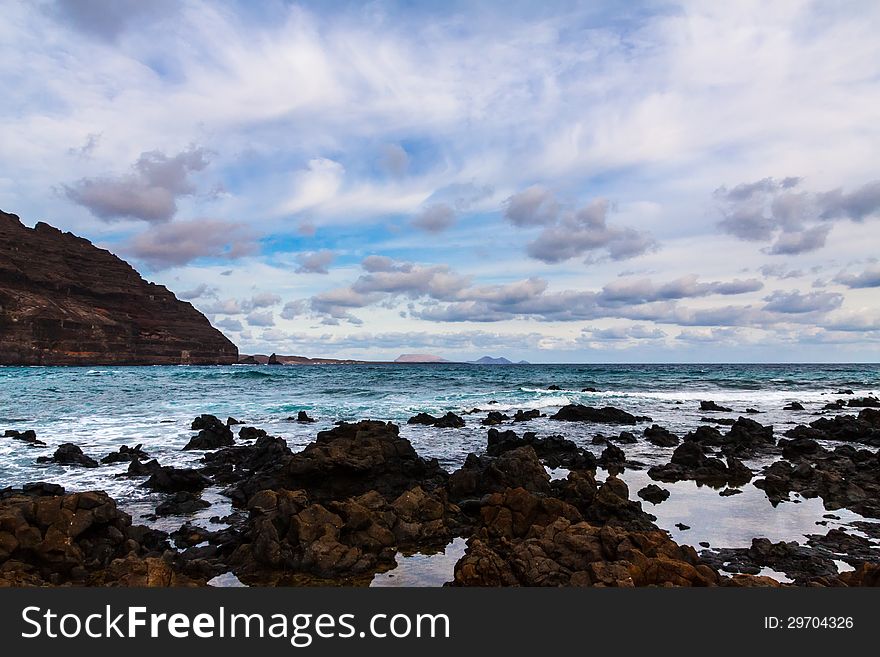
103,407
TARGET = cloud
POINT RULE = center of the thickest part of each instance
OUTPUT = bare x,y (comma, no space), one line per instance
376,263
856,205
315,262
534,206
107,19
796,221
182,242
201,291
229,324
795,302
149,193
261,300
573,233
395,159
435,218
294,309
868,278
265,318
800,241
318,183
633,332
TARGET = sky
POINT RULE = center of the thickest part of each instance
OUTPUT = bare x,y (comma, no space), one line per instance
555,182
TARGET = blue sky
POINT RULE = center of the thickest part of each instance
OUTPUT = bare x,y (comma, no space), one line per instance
575,182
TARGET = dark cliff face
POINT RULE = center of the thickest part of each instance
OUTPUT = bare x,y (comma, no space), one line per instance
63,301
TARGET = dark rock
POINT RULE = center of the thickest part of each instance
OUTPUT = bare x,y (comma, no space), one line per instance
494,417
606,415
553,387
654,494
519,467
448,421
690,462
681,526
251,433
800,563
589,389
793,406
273,360
28,436
167,479
752,411
231,421
248,360
525,416
612,456
181,503
64,301
626,438
864,428
553,451
726,421
657,435
712,406
867,402
213,434
845,391
69,454
126,454
302,416
727,492
138,469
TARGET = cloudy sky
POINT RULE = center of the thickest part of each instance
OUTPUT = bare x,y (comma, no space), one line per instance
575,182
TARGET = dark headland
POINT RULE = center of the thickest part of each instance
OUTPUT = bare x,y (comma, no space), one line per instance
64,301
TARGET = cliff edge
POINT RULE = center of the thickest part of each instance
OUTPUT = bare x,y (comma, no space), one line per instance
64,301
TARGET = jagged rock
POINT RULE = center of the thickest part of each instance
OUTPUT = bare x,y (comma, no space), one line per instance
28,436
181,503
553,451
657,435
864,428
346,461
611,457
525,416
273,360
606,415
493,418
302,416
654,494
712,406
553,387
231,421
793,406
69,454
480,475
126,454
869,402
251,433
626,438
690,462
798,562
64,301
167,479
448,421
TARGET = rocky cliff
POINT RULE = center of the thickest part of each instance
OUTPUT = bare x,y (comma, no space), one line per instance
63,301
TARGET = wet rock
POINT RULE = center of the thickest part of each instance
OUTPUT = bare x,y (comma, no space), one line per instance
76,538
712,406
657,435
553,451
690,462
844,391
69,454
234,464
480,475
682,527
728,492
213,434
589,389
231,420
868,574
752,411
28,436
843,478
725,421
181,503
525,416
494,417
835,405
251,433
348,460
800,563
868,402
302,416
606,415
612,457
126,454
793,406
167,479
564,553
138,469
553,387
864,428
626,438
448,421
654,494
850,548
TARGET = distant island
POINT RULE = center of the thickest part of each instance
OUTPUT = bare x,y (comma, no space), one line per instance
64,301
489,360
403,359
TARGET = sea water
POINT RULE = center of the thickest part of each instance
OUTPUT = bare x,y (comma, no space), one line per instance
101,408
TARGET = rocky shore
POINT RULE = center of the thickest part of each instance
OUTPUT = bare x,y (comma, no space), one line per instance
359,496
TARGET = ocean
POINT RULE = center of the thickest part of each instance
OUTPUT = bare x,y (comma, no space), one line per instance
102,408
